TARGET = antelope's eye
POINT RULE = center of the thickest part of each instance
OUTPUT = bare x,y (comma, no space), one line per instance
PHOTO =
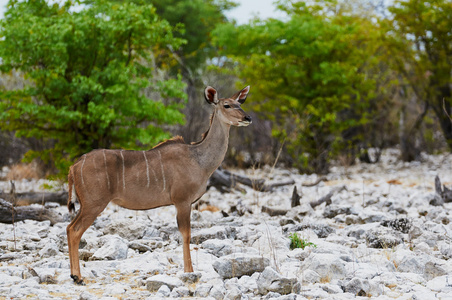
226,106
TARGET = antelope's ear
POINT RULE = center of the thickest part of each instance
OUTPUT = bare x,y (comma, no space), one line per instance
211,95
243,94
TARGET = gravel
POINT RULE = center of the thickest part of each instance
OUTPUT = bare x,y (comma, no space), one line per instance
382,237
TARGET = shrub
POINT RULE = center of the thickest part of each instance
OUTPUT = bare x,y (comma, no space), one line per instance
297,242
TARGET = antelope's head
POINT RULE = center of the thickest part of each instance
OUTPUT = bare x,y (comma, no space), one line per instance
229,109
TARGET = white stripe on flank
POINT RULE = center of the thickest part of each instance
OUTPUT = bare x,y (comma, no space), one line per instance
74,195
106,169
147,167
163,171
123,172
81,169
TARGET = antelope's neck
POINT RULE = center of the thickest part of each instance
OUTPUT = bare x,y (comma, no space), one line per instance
211,151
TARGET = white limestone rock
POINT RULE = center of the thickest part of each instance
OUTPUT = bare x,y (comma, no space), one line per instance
239,264
328,266
270,281
155,282
113,248
127,229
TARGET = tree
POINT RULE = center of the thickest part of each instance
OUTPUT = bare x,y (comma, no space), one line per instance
198,18
86,71
308,74
422,31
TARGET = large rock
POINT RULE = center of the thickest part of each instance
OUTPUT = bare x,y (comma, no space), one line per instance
311,276
218,292
445,249
358,287
215,232
164,291
221,248
328,266
49,250
218,247
409,262
180,292
383,238
87,296
126,229
239,264
333,210
202,290
270,281
440,284
146,245
155,282
432,270
113,247
190,278
45,275
233,294
270,240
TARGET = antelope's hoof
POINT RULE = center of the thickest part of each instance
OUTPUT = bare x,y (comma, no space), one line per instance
77,280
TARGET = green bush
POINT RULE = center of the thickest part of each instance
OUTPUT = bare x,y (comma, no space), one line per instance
85,72
297,242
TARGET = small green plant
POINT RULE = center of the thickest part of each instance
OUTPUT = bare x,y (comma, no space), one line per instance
297,242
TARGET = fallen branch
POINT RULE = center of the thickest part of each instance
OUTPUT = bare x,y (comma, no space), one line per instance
320,179
10,214
224,180
327,197
37,198
274,211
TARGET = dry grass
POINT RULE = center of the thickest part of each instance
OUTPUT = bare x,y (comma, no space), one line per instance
210,208
24,171
325,279
394,181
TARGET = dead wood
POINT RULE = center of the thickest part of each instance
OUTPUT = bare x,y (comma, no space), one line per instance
274,211
320,179
295,197
224,181
37,198
327,197
10,214
443,192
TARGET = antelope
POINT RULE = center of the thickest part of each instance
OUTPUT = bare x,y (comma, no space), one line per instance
171,173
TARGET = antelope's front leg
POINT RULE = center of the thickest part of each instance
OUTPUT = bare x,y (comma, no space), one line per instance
183,223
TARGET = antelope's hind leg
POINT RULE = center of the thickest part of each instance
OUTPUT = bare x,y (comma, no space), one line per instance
85,217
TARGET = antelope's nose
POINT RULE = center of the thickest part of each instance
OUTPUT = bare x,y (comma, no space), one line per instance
248,118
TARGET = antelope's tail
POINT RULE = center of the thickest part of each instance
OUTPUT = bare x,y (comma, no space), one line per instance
72,197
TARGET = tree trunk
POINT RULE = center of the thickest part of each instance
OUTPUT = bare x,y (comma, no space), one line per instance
443,110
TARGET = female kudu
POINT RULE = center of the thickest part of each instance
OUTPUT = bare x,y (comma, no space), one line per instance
171,173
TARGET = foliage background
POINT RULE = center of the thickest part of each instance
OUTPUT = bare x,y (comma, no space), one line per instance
334,82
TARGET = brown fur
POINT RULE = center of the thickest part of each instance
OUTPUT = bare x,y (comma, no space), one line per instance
171,173
174,140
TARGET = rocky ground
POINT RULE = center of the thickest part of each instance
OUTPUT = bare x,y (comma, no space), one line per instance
385,236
